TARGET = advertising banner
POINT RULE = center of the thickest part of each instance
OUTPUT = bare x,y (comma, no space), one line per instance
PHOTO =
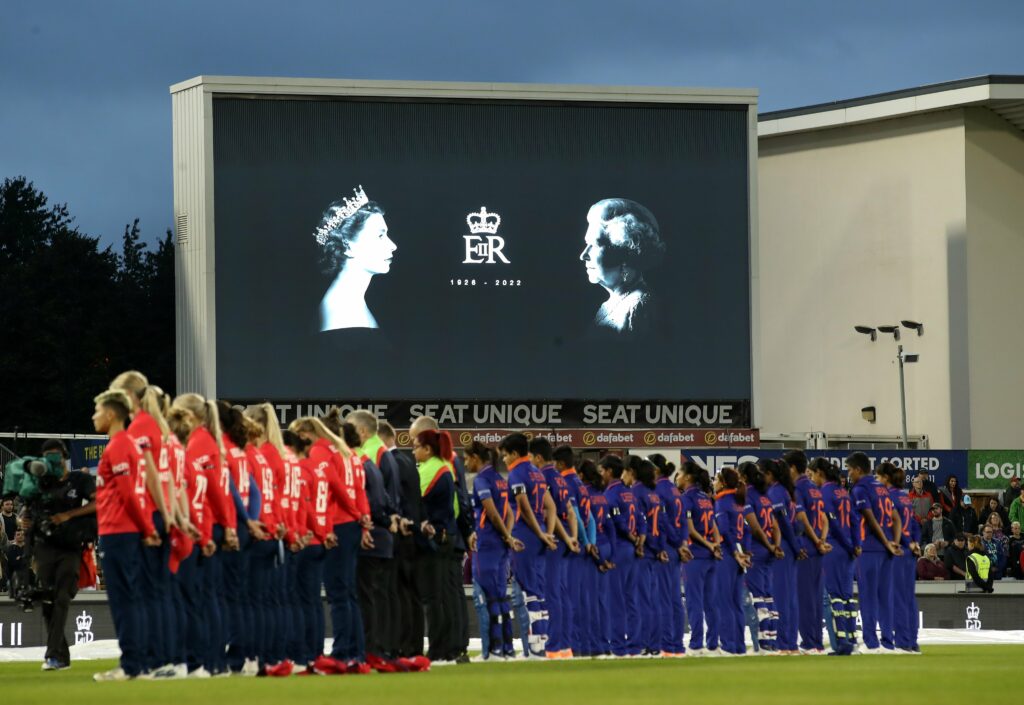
992,469
86,452
610,437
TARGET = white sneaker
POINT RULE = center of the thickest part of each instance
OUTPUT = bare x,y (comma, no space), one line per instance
713,653
867,651
168,672
199,673
115,674
902,652
250,668
812,652
181,670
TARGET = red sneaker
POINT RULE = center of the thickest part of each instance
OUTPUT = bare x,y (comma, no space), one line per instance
281,670
380,665
359,668
416,664
329,666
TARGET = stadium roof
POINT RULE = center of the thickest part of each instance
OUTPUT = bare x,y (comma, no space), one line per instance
1002,94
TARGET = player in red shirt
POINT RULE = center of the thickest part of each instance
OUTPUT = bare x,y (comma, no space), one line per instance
123,529
214,517
350,517
148,429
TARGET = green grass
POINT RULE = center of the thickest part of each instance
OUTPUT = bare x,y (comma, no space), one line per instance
944,674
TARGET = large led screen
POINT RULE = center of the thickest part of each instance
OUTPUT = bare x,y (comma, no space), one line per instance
416,249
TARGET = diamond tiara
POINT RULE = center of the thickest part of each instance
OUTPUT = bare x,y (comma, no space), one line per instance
347,209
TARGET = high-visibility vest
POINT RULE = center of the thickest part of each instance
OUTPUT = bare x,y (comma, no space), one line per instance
982,564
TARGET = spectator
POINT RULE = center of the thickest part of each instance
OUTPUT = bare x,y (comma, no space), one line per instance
1017,510
929,486
955,559
992,506
996,548
951,496
930,566
1015,552
17,563
937,530
10,521
966,519
922,499
979,565
1012,492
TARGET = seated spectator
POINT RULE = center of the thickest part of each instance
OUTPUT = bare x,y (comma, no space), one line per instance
996,548
992,506
955,559
1016,513
922,499
937,530
930,566
1012,492
1015,552
979,564
951,496
966,519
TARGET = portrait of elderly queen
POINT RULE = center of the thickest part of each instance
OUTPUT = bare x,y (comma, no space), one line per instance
621,244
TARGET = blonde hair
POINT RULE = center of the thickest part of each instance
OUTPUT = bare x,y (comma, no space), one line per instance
205,411
114,397
311,424
181,422
149,397
266,416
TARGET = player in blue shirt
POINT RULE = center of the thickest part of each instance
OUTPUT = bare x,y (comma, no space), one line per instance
764,549
623,612
597,627
532,503
812,528
784,590
493,526
653,566
579,599
730,501
556,585
699,513
904,601
879,522
676,537
838,563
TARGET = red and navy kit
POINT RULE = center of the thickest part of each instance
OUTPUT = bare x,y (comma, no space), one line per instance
728,576
145,432
268,484
875,567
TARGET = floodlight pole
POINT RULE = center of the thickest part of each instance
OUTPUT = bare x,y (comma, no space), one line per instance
903,398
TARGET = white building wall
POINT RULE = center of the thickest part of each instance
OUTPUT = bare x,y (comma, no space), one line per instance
855,227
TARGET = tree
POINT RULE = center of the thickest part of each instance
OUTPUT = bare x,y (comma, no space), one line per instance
73,315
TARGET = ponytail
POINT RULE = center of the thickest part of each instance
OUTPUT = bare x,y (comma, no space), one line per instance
439,442
731,479
143,396
205,411
479,450
266,416
152,403
753,476
779,472
311,424
447,447
699,475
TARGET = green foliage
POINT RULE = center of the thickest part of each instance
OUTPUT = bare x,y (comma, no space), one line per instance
72,315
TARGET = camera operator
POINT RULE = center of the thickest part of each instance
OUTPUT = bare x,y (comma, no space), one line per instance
61,521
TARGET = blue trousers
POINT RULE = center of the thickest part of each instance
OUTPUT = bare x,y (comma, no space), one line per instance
494,612
556,599
672,624
574,585
160,630
308,578
728,604
905,601
195,635
622,610
808,589
340,585
784,595
240,626
528,568
839,589
294,618
759,584
700,581
264,600
650,595
121,558
179,647
215,610
874,587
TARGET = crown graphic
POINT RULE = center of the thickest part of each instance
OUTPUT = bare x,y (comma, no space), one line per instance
349,206
483,222
83,621
973,611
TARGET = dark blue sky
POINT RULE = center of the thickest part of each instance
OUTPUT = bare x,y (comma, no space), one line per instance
85,111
